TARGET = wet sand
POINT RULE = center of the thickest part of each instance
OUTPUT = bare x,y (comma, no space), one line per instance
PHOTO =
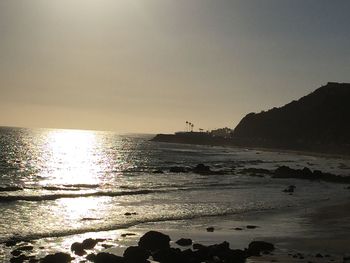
320,234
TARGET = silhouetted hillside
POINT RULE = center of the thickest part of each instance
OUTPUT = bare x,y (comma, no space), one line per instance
319,121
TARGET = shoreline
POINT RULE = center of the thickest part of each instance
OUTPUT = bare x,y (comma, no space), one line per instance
293,231
229,144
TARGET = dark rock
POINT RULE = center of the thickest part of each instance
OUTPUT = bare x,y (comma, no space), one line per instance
219,249
16,252
105,258
306,173
198,246
178,169
201,169
290,189
260,172
10,188
210,229
201,253
57,258
19,259
251,227
25,248
233,256
129,213
91,257
169,255
238,228
78,248
158,172
284,172
136,255
89,243
184,242
190,256
154,240
205,170
90,219
106,246
127,234
256,247
11,243
318,255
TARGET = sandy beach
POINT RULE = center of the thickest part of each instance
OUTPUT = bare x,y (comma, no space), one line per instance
313,235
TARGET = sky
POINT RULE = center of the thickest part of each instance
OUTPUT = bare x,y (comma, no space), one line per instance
148,66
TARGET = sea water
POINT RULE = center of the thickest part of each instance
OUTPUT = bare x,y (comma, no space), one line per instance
55,183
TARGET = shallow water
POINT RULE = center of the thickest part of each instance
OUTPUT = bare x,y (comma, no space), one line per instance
72,181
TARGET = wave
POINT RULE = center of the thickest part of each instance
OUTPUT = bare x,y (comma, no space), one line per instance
166,189
63,187
12,198
68,232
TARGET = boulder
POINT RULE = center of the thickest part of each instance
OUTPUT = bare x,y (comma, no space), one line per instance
256,247
178,169
130,213
210,229
105,258
25,248
290,189
251,227
154,240
169,255
78,248
198,246
11,243
57,258
184,242
16,252
136,255
89,243
201,169
127,234
19,259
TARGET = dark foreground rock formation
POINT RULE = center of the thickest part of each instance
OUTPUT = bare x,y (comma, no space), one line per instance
316,122
155,245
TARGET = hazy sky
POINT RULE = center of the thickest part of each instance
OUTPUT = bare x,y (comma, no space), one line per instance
150,65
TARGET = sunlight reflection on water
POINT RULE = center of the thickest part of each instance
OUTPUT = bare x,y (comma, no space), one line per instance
72,156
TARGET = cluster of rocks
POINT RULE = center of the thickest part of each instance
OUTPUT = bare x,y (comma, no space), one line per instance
306,173
19,253
156,246
79,248
198,169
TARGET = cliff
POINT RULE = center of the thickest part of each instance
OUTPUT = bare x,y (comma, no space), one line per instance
319,121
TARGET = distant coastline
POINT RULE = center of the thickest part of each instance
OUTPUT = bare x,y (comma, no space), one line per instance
315,124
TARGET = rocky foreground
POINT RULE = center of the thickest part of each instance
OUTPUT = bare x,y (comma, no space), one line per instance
154,246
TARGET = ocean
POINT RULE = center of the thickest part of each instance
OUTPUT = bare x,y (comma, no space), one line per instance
58,183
